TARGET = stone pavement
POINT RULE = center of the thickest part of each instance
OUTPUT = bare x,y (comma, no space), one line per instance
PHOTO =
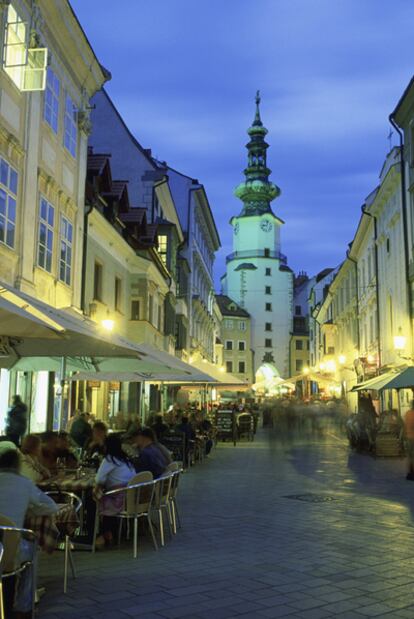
300,529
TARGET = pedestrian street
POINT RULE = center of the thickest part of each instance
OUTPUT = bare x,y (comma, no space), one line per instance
297,528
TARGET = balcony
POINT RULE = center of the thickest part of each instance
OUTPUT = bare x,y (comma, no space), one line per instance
258,253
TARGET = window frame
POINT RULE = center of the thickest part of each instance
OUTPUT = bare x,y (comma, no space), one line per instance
244,345
10,196
138,302
241,363
49,234
268,290
54,104
267,344
70,126
229,367
268,326
228,345
268,307
98,281
67,243
118,294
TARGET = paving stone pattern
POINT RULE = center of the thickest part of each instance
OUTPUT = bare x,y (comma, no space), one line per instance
247,549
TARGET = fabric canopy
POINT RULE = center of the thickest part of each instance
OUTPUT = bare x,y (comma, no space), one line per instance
403,380
218,376
376,384
66,333
137,377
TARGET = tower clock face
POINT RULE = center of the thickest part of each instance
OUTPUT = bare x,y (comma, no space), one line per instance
266,225
236,228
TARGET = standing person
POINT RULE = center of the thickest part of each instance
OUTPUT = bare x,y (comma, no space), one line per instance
409,439
16,423
81,431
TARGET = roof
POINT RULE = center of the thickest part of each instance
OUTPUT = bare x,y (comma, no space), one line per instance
96,162
323,274
403,100
134,215
248,266
228,307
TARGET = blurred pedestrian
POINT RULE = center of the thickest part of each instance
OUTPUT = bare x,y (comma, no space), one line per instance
409,440
16,423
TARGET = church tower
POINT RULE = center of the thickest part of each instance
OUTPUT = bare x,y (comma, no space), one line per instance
257,276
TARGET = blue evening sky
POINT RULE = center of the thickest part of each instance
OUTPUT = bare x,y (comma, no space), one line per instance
184,76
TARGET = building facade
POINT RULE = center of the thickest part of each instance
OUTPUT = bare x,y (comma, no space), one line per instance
49,74
236,339
257,276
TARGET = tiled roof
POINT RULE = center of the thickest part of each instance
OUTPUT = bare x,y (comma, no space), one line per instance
228,307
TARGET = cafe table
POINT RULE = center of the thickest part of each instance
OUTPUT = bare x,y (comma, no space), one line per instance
50,528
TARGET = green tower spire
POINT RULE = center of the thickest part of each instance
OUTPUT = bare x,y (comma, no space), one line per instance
257,192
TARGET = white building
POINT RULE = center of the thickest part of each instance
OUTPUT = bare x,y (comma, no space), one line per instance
257,276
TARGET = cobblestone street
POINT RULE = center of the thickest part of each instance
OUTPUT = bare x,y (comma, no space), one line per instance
270,529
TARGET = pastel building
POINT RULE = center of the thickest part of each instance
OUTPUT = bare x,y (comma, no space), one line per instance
257,276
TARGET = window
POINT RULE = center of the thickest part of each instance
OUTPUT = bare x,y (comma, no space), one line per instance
388,246
268,307
229,344
8,193
118,294
65,260
268,343
267,252
159,318
46,224
242,325
70,137
298,310
163,247
150,308
268,271
242,345
97,282
135,310
268,290
229,366
242,367
51,106
268,326
228,324
299,365
331,350
299,345
307,345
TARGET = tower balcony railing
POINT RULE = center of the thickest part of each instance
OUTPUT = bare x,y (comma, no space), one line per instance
257,253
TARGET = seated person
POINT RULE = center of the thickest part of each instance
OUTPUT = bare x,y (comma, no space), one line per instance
64,451
48,451
152,456
30,464
159,427
81,431
95,448
115,471
18,497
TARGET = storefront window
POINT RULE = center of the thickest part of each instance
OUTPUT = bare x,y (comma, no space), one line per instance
38,417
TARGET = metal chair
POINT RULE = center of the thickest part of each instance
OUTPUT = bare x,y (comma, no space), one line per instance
176,471
67,498
162,501
9,566
138,503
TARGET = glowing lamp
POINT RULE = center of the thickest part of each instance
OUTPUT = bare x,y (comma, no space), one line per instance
342,359
222,369
322,366
108,324
370,358
331,365
306,370
400,342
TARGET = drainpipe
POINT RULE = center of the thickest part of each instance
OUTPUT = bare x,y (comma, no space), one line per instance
405,223
357,299
365,212
88,211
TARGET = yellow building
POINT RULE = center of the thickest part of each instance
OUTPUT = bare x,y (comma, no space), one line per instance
236,338
49,73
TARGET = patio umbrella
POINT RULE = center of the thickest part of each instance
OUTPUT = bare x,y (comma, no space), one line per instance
403,380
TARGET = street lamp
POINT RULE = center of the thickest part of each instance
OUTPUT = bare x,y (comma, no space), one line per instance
342,359
399,341
108,323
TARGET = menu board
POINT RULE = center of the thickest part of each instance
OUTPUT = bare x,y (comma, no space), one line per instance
225,423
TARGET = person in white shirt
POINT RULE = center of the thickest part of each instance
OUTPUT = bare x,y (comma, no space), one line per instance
114,472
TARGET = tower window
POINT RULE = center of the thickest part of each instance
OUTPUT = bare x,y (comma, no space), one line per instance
268,271
268,290
299,345
268,307
242,345
267,252
268,326
298,310
268,343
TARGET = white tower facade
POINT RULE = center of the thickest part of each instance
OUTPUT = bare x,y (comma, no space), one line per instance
257,276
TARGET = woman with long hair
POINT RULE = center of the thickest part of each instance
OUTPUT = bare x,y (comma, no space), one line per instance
114,472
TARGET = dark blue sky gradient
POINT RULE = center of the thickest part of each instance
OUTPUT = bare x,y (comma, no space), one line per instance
184,75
